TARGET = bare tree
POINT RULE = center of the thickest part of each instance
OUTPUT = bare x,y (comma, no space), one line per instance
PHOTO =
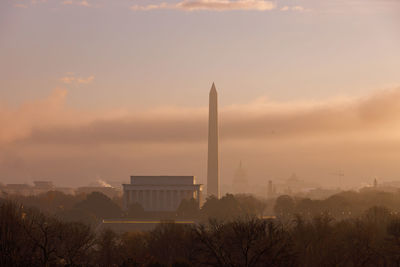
76,241
42,235
244,242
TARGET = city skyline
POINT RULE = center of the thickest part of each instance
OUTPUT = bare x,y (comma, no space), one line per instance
115,151
103,90
324,131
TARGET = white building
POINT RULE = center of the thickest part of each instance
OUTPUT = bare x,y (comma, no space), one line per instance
160,193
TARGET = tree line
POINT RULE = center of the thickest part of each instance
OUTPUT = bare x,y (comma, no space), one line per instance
94,207
30,238
36,231
344,205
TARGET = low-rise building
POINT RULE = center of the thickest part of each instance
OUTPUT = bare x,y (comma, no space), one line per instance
160,193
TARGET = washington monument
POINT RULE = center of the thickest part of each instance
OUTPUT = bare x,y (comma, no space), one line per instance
212,161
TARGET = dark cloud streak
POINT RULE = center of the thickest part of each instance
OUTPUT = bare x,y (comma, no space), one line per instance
341,118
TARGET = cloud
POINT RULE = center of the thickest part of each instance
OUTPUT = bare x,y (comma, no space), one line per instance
27,3
262,120
294,8
70,78
77,3
212,5
34,2
20,6
46,139
32,114
298,8
85,80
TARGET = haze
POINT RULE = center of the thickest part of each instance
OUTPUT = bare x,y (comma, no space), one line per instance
107,89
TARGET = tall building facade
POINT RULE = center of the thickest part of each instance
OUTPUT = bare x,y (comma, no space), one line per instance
213,152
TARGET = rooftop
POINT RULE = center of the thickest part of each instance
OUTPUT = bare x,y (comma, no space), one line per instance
163,180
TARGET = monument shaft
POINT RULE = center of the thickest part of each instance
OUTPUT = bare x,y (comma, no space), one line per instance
213,154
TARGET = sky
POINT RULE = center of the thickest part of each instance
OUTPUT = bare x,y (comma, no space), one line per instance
101,89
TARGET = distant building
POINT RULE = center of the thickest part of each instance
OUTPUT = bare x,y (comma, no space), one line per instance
40,187
65,190
160,193
271,189
240,184
44,185
18,189
108,191
320,193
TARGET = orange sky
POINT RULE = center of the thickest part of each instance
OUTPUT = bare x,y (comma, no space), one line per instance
46,139
100,89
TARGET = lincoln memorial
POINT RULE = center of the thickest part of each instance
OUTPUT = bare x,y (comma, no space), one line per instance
160,193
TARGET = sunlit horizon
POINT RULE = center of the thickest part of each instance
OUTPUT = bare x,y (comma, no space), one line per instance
103,90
